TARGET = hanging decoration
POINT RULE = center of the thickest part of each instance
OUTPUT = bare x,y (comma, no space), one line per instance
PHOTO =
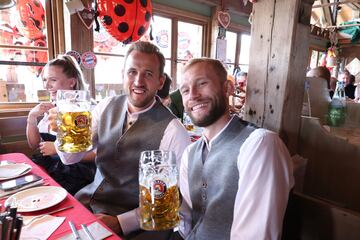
37,56
88,60
331,56
32,18
223,16
87,17
125,20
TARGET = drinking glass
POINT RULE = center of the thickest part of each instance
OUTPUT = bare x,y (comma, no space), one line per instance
159,194
74,121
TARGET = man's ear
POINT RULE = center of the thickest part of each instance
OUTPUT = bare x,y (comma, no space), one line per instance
73,83
229,88
162,81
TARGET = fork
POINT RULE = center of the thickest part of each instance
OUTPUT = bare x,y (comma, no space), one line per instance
27,221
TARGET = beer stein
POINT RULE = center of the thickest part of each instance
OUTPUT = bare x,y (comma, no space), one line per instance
74,121
159,194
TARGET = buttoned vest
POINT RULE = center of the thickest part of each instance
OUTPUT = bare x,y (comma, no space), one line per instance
115,189
213,183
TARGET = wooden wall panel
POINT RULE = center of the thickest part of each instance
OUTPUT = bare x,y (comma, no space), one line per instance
277,69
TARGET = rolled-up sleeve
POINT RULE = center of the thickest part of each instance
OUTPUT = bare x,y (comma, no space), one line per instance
265,179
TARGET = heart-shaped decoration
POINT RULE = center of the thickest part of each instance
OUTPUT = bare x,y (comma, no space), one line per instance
224,19
87,17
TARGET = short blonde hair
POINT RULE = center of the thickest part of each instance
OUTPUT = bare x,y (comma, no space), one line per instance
215,64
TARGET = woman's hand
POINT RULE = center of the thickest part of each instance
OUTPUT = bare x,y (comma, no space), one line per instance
52,119
40,109
47,148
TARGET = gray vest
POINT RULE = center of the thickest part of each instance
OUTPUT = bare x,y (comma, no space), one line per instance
213,184
115,189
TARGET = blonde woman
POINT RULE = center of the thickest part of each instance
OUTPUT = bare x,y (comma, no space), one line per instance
61,73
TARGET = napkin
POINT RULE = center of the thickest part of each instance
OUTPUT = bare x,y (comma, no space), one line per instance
13,170
34,184
96,229
41,228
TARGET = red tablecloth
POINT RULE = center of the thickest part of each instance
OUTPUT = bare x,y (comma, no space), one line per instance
79,214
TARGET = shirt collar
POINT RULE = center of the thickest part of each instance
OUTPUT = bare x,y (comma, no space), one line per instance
209,143
135,115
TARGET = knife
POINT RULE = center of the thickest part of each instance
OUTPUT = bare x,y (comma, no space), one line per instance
87,232
74,231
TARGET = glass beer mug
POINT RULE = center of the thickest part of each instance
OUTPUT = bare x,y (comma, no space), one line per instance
74,121
159,194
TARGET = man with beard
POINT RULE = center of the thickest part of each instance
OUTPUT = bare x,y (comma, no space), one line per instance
123,126
236,179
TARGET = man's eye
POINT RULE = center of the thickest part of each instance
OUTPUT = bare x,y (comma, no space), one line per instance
149,74
184,92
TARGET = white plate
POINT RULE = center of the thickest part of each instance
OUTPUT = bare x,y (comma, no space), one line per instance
39,198
9,171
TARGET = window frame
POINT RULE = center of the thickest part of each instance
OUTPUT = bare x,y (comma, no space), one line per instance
318,50
55,45
177,15
239,30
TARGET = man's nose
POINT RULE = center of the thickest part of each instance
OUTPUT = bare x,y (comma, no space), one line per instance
193,93
139,79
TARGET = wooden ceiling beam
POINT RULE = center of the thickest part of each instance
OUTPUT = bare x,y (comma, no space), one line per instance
336,3
327,12
236,7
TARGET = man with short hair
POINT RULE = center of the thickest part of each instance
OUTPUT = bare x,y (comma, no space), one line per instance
236,179
123,126
349,80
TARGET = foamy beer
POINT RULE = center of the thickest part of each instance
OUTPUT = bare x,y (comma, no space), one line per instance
74,121
159,194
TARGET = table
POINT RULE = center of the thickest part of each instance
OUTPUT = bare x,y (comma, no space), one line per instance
79,214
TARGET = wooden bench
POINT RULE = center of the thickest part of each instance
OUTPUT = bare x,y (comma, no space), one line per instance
13,135
309,218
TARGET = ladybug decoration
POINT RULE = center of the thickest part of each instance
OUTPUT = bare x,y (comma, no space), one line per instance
32,18
125,20
37,56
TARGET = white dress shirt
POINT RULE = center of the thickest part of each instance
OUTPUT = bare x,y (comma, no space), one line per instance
175,139
265,179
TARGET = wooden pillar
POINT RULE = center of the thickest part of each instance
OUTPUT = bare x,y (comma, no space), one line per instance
214,30
278,59
82,41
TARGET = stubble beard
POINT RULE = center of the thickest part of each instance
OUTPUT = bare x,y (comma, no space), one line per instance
218,109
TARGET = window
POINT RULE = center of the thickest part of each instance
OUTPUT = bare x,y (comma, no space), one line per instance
240,42
179,35
24,49
244,55
316,57
189,45
110,60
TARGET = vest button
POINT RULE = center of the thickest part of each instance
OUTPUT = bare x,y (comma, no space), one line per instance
204,196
